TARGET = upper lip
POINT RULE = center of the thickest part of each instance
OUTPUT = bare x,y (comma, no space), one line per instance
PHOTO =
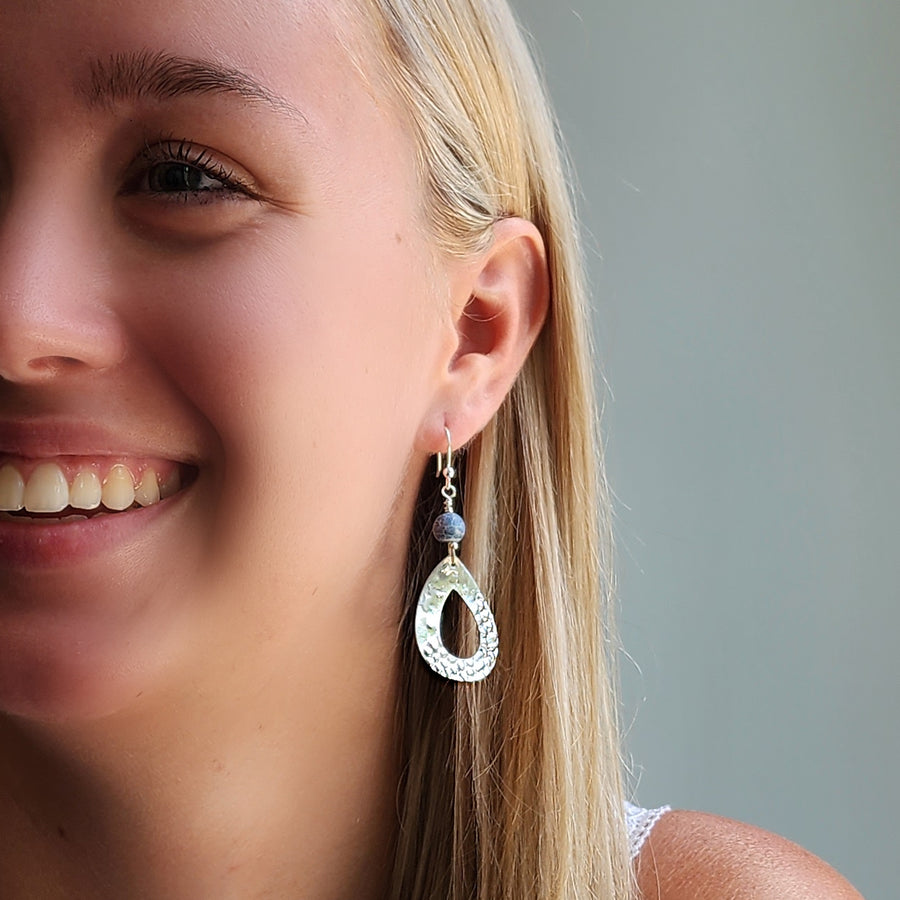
47,438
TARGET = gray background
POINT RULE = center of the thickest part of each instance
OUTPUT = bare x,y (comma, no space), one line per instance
738,166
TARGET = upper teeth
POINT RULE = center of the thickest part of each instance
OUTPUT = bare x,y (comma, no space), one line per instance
47,490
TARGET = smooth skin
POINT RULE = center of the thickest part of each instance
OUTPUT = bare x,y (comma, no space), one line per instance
238,279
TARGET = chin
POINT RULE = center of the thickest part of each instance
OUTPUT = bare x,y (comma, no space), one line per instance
79,661
78,645
55,678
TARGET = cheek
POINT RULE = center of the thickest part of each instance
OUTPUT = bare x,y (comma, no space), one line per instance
286,321
312,356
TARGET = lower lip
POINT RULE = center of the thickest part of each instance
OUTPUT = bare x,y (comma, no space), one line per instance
31,543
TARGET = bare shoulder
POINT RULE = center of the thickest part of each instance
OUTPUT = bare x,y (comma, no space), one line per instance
696,856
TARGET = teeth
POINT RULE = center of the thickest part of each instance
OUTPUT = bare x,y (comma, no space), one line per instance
47,490
118,489
12,489
147,492
86,491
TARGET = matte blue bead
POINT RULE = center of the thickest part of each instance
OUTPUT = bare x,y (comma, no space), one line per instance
449,527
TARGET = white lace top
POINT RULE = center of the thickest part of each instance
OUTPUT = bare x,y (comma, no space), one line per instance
640,823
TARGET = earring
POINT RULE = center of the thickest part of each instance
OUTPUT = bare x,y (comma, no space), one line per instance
451,575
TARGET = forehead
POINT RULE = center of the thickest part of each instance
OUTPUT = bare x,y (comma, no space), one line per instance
209,22
281,50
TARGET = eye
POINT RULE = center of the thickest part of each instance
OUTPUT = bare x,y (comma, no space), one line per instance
165,178
184,172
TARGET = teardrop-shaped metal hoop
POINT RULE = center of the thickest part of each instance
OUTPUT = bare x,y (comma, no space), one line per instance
448,576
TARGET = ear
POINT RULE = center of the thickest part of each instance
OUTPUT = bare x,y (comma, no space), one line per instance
499,302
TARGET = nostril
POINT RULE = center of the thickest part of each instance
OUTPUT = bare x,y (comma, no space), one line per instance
49,334
53,365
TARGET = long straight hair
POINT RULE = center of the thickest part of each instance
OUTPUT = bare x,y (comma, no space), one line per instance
511,788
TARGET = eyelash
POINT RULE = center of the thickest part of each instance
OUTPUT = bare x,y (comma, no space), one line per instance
167,150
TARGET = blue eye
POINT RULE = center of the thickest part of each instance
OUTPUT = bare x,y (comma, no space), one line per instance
179,170
178,177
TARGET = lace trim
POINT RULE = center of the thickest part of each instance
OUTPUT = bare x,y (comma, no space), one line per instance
639,823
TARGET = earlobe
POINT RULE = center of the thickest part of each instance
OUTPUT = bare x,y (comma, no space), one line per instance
499,303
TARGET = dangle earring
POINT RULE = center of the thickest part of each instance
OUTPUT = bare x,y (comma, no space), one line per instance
451,575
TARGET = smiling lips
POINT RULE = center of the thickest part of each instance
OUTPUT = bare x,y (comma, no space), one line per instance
79,487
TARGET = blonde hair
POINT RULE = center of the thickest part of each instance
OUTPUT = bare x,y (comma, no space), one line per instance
512,787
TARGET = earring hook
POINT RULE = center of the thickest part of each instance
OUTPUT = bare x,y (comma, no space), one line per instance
440,464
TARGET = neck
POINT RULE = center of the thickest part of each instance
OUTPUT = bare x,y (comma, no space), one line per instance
180,800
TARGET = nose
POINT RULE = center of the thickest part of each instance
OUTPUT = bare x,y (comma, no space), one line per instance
54,314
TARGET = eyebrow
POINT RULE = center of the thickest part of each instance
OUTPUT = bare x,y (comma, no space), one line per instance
163,76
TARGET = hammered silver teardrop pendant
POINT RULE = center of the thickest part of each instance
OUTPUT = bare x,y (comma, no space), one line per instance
450,576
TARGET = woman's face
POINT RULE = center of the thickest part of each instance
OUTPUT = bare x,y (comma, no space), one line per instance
212,269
